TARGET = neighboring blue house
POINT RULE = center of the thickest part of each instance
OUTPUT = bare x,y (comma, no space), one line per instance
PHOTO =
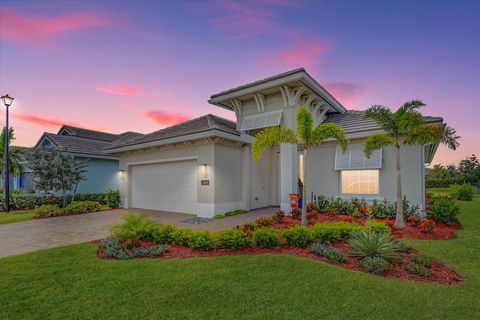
87,146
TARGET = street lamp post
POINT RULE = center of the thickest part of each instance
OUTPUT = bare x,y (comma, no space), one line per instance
7,101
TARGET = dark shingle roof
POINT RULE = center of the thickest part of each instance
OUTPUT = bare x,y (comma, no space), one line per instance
197,125
353,121
90,134
76,144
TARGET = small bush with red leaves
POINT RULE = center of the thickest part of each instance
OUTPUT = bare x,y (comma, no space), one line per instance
249,227
427,226
311,215
279,216
264,221
312,207
414,219
296,213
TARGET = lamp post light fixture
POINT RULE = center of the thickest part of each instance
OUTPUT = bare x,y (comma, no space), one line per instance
7,101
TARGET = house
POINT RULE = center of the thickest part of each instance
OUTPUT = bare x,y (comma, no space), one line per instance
88,146
204,166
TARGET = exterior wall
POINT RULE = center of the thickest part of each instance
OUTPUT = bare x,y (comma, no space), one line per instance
229,178
101,175
325,180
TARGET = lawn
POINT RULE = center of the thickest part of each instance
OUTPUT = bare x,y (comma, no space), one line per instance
25,215
71,283
16,216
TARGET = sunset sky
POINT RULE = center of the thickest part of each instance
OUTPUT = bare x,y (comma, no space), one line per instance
142,65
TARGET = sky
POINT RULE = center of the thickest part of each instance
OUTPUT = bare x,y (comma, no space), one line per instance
141,66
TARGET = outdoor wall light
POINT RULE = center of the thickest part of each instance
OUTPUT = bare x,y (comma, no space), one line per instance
122,174
204,171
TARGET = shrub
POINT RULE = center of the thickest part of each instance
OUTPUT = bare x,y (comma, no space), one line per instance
343,207
383,209
322,203
297,236
443,209
112,198
414,219
441,183
114,248
232,239
425,262
78,207
332,232
22,201
137,227
373,244
427,226
279,216
266,238
296,213
47,210
264,221
377,226
235,212
402,246
181,237
374,264
218,216
418,270
249,227
328,252
163,234
462,191
312,207
201,240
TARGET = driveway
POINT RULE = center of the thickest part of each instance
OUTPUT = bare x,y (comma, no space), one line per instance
28,236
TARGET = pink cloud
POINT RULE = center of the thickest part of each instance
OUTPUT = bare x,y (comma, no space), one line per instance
305,54
166,119
44,122
19,27
121,90
347,93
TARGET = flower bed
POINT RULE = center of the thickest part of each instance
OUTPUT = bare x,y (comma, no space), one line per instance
369,247
440,273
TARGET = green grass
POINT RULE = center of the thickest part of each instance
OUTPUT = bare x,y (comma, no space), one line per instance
71,283
16,216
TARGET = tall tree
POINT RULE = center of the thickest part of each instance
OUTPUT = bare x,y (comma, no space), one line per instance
470,169
306,136
15,157
406,126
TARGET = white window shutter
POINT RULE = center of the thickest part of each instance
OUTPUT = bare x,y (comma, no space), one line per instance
263,120
354,158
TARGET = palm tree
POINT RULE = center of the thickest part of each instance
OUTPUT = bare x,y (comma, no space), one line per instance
14,156
406,126
306,136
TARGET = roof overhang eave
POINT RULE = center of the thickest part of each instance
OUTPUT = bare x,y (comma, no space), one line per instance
301,75
188,137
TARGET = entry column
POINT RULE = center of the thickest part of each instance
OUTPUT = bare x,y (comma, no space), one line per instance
288,174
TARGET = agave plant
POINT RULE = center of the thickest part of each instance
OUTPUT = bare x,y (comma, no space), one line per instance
373,244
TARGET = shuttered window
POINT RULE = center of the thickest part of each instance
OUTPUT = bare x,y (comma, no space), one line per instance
263,120
354,158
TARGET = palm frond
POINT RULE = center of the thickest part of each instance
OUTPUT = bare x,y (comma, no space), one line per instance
433,133
381,115
376,142
329,131
408,121
410,106
304,123
269,137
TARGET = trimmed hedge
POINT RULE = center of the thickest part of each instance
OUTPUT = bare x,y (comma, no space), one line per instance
442,183
78,207
25,201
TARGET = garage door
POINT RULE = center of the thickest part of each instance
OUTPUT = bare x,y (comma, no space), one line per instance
169,186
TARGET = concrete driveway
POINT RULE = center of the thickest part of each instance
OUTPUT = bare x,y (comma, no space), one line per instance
28,236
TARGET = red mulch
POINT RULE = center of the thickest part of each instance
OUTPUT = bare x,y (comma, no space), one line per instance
441,231
440,273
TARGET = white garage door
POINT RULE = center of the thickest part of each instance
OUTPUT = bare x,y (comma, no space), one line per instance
169,186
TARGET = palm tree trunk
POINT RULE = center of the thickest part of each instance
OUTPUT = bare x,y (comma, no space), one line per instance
399,222
304,189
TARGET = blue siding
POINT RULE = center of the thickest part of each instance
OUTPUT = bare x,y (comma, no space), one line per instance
101,176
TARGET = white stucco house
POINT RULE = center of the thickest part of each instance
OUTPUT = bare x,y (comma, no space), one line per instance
204,166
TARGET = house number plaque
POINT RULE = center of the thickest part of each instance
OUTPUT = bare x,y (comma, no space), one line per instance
205,182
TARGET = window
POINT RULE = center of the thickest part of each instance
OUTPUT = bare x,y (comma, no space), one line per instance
360,181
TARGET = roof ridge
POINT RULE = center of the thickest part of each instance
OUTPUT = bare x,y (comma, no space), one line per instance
77,138
105,132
